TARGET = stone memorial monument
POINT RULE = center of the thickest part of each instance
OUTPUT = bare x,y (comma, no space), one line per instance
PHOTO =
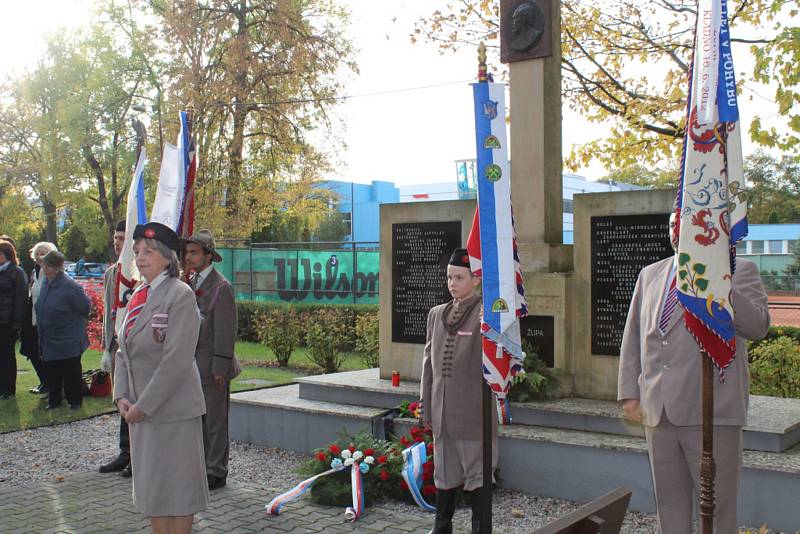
418,239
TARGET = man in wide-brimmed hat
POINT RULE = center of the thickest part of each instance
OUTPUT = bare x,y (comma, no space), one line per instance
215,348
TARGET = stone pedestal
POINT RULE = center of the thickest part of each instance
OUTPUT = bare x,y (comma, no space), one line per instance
595,375
406,358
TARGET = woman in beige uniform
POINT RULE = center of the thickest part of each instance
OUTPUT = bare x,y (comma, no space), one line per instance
157,387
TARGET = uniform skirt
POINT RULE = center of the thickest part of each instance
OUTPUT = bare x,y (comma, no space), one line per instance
169,470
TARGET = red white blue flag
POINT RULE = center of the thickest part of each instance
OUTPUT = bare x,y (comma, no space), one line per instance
126,274
174,203
492,246
712,212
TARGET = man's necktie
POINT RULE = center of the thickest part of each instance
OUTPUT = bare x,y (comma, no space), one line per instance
135,306
669,306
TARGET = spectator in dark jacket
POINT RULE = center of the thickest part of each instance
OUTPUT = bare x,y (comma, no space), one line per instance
29,339
13,289
61,314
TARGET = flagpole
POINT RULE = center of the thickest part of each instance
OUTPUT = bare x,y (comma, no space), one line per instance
486,493
707,463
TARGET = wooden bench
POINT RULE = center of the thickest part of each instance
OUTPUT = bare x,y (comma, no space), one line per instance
603,515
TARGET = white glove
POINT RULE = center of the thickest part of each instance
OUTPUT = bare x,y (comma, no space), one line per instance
105,363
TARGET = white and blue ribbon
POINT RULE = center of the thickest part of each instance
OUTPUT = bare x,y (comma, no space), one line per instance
414,457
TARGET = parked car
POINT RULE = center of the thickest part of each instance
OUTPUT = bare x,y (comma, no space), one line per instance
90,270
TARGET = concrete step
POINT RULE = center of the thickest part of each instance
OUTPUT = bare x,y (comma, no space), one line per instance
581,466
363,388
773,424
278,417
578,465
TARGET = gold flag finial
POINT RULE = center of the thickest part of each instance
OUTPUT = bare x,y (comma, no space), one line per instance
482,72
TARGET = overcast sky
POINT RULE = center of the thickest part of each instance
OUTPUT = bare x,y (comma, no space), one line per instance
413,133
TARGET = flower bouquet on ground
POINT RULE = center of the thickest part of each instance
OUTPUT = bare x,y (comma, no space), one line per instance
379,462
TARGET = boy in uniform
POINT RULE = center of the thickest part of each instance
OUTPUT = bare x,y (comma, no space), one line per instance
451,384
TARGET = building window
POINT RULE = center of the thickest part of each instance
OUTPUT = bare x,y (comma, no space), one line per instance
756,247
775,246
741,248
567,205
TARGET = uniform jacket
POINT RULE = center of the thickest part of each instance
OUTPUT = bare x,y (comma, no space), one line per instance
215,345
109,341
61,314
452,377
665,371
155,367
13,285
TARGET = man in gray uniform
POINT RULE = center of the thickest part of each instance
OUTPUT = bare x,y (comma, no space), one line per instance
452,388
660,373
215,349
122,462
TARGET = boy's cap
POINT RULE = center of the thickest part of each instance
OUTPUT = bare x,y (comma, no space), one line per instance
459,258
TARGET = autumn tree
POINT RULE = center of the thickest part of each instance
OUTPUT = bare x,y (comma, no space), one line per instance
626,63
260,74
774,188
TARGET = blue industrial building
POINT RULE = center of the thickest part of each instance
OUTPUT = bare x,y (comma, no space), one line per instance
363,200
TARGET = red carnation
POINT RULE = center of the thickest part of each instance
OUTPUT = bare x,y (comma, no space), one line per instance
413,406
403,484
384,475
427,466
430,448
428,489
381,459
369,452
321,456
351,448
335,449
419,439
404,441
415,430
426,477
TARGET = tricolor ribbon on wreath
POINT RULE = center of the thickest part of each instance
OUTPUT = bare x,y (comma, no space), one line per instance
712,212
414,457
492,247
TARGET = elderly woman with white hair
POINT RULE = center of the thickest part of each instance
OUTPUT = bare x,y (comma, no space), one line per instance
29,337
157,386
62,310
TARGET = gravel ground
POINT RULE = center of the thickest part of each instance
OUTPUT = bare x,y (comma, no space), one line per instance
49,452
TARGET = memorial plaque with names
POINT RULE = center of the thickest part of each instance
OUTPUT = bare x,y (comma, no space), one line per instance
538,330
420,253
621,246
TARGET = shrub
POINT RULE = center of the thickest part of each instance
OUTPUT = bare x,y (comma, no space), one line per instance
279,330
250,310
536,381
326,337
367,338
775,368
775,332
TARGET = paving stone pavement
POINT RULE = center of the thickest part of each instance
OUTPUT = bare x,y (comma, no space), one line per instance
94,503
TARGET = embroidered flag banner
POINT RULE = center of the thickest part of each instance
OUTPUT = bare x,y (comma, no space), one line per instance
492,246
126,272
712,212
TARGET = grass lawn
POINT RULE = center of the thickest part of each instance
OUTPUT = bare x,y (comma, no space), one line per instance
259,370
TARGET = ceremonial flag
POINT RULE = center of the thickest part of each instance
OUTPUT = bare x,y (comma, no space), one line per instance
174,204
188,165
712,212
126,272
492,246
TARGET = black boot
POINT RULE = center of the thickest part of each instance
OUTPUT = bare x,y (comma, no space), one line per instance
445,508
475,498
117,464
